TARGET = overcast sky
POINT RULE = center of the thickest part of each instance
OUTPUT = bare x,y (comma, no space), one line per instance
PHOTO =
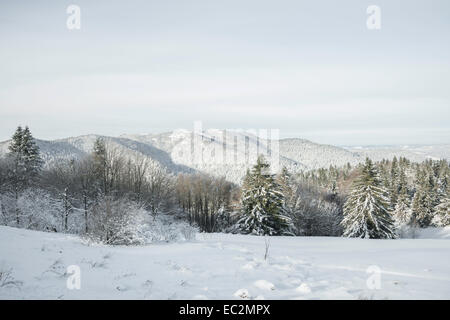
309,68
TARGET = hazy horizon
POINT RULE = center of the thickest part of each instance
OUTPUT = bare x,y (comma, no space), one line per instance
313,70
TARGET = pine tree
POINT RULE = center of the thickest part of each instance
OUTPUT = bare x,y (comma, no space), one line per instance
287,188
442,173
15,146
402,209
26,160
222,219
442,215
424,199
101,169
395,181
263,211
402,212
366,211
25,154
30,151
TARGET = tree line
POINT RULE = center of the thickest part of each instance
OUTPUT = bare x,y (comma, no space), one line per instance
111,196
396,194
386,199
105,193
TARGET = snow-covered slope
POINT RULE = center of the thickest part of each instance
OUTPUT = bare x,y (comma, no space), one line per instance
223,153
295,153
413,153
51,151
225,266
77,147
315,156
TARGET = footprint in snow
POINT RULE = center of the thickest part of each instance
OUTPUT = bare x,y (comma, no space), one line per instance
107,256
177,267
122,288
148,283
125,275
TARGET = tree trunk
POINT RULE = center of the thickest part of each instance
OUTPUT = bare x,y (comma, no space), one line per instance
17,205
85,214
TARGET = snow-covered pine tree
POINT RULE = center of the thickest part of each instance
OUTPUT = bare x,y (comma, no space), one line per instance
424,199
27,163
222,220
442,213
30,151
404,222
394,189
101,170
15,146
262,202
366,211
442,173
402,209
254,220
287,188
421,215
25,154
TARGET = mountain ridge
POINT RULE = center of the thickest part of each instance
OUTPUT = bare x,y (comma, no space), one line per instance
177,152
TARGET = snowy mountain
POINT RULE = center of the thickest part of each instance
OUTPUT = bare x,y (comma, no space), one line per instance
216,152
77,147
315,156
226,153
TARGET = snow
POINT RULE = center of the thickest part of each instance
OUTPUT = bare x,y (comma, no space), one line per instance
434,233
303,288
214,267
264,285
242,293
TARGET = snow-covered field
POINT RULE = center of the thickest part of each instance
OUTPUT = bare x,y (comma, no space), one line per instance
224,266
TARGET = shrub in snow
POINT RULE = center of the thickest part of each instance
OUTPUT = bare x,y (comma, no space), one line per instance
123,222
118,222
7,209
7,280
38,210
166,229
187,231
407,231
